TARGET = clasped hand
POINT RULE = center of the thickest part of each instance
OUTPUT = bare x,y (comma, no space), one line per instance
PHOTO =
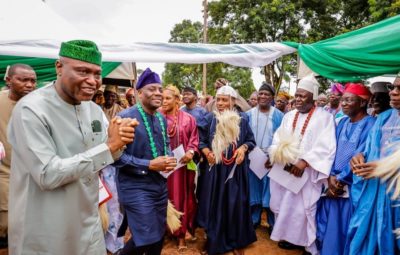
298,168
335,187
121,132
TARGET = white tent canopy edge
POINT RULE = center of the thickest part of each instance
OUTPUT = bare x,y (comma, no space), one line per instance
244,55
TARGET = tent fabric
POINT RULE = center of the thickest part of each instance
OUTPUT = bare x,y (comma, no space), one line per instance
44,68
367,52
41,55
244,55
125,71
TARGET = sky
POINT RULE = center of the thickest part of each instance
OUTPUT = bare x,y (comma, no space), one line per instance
132,20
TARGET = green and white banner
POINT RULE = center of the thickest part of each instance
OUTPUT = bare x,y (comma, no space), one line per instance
367,52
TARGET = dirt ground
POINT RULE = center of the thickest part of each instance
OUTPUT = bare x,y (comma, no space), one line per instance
263,246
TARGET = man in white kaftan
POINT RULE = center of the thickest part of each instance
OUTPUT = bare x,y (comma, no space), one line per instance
295,213
59,141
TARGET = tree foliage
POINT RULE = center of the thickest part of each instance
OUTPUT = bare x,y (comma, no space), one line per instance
256,21
381,9
260,21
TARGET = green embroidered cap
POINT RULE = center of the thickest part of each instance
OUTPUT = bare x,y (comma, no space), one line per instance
82,50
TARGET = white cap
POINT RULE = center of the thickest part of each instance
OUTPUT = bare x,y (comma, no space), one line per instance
379,87
227,91
310,84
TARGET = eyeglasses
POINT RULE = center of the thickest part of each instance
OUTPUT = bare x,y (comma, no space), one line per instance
348,100
392,87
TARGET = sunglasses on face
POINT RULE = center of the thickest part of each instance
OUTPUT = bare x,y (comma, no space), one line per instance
392,87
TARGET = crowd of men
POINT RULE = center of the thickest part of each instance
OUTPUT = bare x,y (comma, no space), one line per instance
306,162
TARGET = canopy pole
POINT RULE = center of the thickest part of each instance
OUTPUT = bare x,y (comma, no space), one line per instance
133,82
205,16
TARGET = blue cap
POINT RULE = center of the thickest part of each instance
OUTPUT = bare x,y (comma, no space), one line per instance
147,77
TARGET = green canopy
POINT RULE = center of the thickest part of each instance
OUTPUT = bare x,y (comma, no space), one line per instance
44,67
367,52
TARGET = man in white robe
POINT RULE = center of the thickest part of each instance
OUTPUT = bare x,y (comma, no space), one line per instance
59,143
295,223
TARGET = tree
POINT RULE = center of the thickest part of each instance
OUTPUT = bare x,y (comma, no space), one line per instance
382,9
259,21
191,75
256,21
304,21
181,74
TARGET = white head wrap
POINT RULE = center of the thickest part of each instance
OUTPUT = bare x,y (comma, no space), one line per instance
227,91
310,84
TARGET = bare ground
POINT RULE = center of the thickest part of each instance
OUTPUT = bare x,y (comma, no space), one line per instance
263,246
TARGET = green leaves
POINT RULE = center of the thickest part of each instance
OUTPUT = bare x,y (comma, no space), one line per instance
256,21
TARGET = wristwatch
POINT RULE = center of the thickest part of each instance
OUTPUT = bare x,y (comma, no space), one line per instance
191,151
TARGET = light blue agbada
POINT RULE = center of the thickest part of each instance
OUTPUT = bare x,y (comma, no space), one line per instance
263,126
374,217
333,214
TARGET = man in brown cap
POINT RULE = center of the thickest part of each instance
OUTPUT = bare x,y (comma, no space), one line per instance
110,107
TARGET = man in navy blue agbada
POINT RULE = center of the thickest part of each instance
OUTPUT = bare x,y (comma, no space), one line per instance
142,190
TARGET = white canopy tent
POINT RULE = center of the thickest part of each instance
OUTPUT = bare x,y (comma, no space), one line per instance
39,32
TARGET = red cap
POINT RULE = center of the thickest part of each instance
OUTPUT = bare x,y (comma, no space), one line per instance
358,89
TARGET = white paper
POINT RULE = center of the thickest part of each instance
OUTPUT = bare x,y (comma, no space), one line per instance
257,162
286,179
104,194
178,153
231,173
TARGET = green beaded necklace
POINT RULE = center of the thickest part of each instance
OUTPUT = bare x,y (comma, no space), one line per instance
149,134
